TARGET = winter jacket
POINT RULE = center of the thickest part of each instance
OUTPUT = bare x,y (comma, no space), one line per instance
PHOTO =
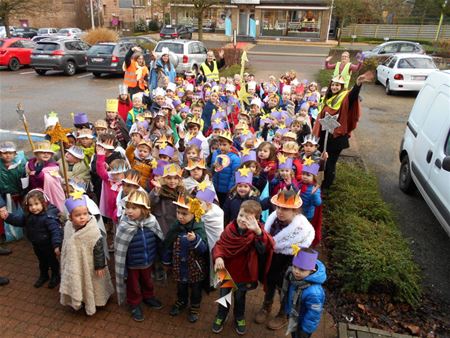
95,179
124,108
159,69
207,114
143,166
312,300
37,180
297,165
310,200
41,229
224,180
78,170
278,184
131,116
10,178
260,181
110,190
142,248
233,204
164,210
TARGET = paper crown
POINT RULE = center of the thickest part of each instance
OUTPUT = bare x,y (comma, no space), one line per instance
204,192
138,197
7,147
171,86
167,150
226,134
101,124
281,131
165,51
290,147
76,199
172,169
159,92
107,146
118,166
194,120
289,202
159,170
85,133
50,120
78,185
304,106
248,155
311,139
189,87
112,105
76,151
80,118
164,141
192,204
176,102
284,162
142,124
312,168
146,143
131,177
256,101
305,259
290,135
338,79
43,147
123,89
244,175
230,88
218,123
196,163
251,85
286,89
196,142
138,96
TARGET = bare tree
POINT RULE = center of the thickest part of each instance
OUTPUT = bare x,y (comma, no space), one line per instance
9,8
347,12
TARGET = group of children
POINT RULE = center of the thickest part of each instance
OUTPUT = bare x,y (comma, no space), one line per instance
186,181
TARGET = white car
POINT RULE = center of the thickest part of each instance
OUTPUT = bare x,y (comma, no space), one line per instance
71,32
425,147
403,72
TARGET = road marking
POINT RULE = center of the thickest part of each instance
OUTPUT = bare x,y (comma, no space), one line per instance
24,73
285,54
84,75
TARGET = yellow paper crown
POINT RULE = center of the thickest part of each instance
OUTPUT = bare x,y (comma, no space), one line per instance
112,105
131,177
292,202
139,198
43,146
192,204
226,134
145,143
290,147
194,120
172,169
196,163
281,158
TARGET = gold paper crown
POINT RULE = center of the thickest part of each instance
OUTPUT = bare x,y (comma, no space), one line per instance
112,105
139,197
292,202
101,124
43,147
145,143
226,134
194,120
172,169
196,163
164,141
290,147
85,132
291,135
132,177
192,204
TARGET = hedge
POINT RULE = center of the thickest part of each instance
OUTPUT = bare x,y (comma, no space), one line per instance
367,251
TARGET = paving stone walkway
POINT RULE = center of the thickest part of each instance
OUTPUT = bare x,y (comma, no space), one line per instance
356,331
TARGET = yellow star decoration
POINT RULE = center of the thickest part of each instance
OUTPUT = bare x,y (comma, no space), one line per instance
308,161
282,126
203,185
281,159
245,151
77,194
140,118
58,134
245,131
295,249
154,164
218,120
243,95
244,171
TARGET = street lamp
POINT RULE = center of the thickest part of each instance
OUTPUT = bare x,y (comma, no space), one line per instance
92,14
438,31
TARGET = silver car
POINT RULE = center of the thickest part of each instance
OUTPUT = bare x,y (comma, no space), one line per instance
394,47
185,55
71,32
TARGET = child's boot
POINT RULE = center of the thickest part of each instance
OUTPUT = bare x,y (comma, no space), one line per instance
136,313
217,326
177,308
54,281
41,280
193,313
240,326
278,322
264,313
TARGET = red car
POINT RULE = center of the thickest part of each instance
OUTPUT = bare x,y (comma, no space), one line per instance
15,52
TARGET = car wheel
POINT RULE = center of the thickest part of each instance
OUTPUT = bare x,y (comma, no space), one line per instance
388,89
405,181
14,64
40,71
70,69
97,74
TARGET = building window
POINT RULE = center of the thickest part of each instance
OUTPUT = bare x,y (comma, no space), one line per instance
213,18
301,23
125,3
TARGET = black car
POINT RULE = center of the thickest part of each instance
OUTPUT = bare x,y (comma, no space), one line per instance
68,55
108,57
175,32
25,32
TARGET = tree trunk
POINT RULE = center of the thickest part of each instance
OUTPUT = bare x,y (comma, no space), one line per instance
6,22
200,24
341,26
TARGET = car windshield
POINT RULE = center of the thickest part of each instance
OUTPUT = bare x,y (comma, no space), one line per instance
176,48
101,49
63,31
416,63
45,46
42,31
168,30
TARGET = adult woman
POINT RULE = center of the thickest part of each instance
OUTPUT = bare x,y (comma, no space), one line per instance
136,72
345,104
161,70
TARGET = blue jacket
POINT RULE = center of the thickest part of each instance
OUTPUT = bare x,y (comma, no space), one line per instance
40,229
310,201
206,115
313,298
142,248
153,80
233,203
224,180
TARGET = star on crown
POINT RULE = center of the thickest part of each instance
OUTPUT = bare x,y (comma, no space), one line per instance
245,151
218,120
295,249
77,194
308,161
244,171
203,185
281,159
154,163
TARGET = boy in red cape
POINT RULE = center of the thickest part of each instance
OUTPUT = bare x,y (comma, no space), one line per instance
245,250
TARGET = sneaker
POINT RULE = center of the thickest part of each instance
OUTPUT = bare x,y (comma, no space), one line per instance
160,275
4,281
217,326
41,281
54,282
192,317
177,308
240,326
153,303
4,251
136,313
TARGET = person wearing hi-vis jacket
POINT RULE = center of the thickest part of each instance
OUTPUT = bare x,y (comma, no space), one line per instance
211,67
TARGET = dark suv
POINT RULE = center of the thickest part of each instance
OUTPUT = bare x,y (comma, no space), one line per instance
175,32
68,55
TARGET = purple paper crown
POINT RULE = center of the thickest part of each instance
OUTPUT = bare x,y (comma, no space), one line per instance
304,105
288,121
142,124
287,164
176,102
305,260
245,137
276,115
219,114
71,203
218,125
250,157
180,93
244,179
312,169
207,195
185,109
159,170
281,131
195,141
80,118
168,150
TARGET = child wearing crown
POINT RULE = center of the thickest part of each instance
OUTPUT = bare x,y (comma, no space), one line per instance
129,184
187,253
287,226
309,191
76,167
136,245
302,293
116,123
85,278
140,158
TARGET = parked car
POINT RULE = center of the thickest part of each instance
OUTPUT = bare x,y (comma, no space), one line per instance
108,57
15,52
47,31
185,54
68,55
3,31
394,47
175,32
402,72
71,32
25,32
143,42
425,147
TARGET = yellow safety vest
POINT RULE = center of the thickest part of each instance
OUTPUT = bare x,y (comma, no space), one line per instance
211,75
346,73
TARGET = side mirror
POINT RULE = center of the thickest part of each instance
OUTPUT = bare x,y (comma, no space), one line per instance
446,163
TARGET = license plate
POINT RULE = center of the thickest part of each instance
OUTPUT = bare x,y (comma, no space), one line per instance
97,59
419,78
43,56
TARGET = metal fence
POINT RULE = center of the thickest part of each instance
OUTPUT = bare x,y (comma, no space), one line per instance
419,32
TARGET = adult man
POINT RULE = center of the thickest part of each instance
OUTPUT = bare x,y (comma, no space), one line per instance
210,67
343,68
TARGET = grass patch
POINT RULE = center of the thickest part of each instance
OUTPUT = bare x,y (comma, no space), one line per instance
367,250
231,70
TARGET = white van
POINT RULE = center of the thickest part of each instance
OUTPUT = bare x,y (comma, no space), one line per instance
425,148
